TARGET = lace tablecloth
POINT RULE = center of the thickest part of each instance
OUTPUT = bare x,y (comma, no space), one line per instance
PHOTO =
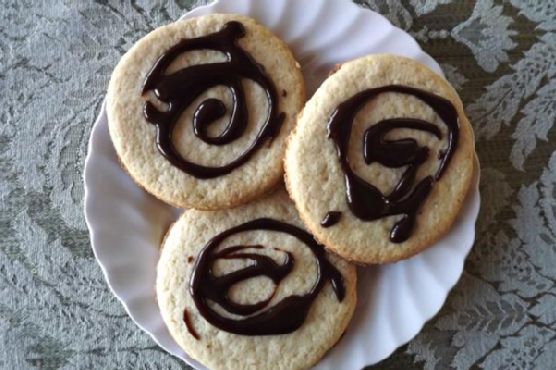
56,311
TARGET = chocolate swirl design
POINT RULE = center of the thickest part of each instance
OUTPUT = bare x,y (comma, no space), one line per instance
180,89
365,200
285,316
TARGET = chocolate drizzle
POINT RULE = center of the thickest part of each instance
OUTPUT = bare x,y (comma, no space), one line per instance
285,316
180,89
365,200
188,325
331,218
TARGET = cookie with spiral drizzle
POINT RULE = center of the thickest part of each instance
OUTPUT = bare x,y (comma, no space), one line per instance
199,111
257,281
381,159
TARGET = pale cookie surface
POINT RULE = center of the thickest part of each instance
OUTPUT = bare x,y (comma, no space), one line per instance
327,317
316,181
135,139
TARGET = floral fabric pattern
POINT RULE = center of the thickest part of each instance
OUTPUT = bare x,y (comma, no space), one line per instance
56,311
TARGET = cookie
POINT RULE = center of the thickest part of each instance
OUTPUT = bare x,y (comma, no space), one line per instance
249,288
381,159
199,111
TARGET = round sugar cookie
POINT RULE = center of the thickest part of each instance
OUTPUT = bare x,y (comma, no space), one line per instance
249,288
199,110
381,159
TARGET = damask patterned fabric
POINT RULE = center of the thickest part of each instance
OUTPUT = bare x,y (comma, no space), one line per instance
56,56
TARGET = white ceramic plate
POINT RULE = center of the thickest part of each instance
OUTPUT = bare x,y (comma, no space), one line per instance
127,225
